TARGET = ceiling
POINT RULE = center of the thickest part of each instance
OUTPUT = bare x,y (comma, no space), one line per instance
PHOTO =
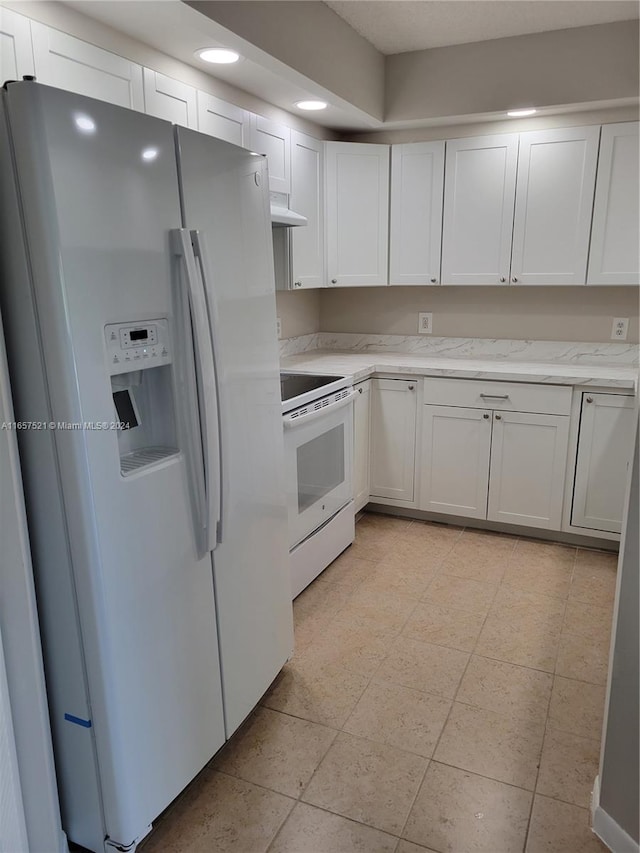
399,26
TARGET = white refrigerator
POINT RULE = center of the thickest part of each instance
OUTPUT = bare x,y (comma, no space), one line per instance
138,297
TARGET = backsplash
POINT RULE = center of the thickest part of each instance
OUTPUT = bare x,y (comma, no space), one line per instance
620,354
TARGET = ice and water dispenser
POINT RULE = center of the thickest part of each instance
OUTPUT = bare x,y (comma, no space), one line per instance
139,357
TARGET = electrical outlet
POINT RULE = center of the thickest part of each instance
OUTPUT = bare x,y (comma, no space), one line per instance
425,324
278,327
619,328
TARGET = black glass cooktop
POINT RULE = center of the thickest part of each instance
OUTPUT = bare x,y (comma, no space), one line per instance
294,384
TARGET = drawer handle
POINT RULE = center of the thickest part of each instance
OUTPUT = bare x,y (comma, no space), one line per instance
411,387
486,416
495,396
498,417
589,399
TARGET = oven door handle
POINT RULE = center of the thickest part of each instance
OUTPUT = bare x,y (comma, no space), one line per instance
290,422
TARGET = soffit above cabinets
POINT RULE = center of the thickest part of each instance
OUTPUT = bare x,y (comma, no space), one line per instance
559,57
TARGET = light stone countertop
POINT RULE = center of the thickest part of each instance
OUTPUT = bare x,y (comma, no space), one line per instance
360,366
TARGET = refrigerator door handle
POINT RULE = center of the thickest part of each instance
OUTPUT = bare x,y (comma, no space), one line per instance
200,253
209,502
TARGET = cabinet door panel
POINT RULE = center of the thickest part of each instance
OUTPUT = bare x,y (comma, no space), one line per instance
69,63
417,178
613,258
456,444
169,99
222,120
605,448
528,462
274,140
16,54
393,438
307,198
479,193
357,213
554,200
361,425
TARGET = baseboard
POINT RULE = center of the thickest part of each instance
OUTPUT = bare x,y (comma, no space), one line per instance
605,827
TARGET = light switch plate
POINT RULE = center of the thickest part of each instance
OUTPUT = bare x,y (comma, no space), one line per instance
425,324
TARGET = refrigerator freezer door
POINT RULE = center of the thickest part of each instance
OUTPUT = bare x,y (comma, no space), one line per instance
99,196
225,198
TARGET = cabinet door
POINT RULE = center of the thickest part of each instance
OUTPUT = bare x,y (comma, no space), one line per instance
307,198
361,424
69,63
613,258
554,200
417,178
605,449
479,193
393,438
528,463
357,213
456,445
16,54
169,99
222,120
274,140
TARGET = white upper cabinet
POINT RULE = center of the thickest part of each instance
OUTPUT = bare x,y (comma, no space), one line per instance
417,177
69,63
170,99
357,210
479,193
613,258
274,140
222,120
554,200
16,55
307,198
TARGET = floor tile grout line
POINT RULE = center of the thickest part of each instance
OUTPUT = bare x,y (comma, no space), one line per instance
546,722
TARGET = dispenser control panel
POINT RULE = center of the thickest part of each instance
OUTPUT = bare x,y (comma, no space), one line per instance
136,346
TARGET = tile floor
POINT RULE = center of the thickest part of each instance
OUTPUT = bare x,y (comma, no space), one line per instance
446,694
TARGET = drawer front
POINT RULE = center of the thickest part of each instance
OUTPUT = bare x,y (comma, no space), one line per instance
501,396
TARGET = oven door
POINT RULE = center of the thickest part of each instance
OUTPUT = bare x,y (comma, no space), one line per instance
318,454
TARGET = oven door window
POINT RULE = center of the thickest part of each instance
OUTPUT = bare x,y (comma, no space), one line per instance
320,466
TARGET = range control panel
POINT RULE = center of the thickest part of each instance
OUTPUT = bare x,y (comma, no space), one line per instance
136,346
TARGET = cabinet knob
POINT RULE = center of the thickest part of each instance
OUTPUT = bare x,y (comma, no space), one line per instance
411,387
359,390
433,280
498,417
589,399
297,284
334,281
502,279
486,417
514,279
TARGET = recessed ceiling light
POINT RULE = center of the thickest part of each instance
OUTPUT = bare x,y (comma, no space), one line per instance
218,55
529,111
312,105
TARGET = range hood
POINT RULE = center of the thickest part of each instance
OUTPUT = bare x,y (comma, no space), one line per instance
281,213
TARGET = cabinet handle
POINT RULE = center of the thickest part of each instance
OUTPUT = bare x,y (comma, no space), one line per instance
359,390
589,399
498,417
297,284
411,387
495,396
514,279
486,417
433,280
502,279
334,281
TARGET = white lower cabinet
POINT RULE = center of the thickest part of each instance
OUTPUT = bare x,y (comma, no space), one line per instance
393,439
527,472
361,432
456,443
605,449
